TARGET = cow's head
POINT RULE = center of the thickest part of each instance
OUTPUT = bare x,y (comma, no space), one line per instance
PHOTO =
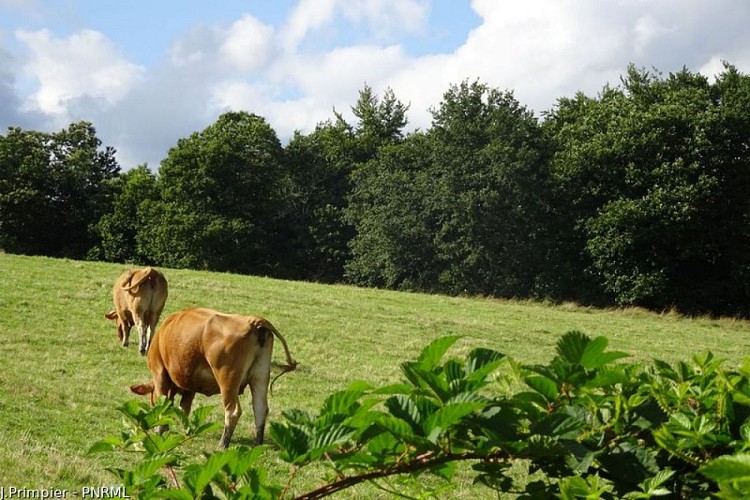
143,389
123,327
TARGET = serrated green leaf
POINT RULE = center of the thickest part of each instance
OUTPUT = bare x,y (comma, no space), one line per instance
292,439
558,425
106,444
728,468
427,380
404,408
397,427
592,351
385,444
480,357
630,463
594,357
608,376
299,417
181,494
454,370
341,402
244,461
148,467
571,346
201,476
544,446
544,386
445,471
162,443
430,356
530,400
440,421
199,415
359,386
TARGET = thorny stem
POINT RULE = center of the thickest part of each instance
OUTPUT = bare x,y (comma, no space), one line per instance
173,476
288,483
421,462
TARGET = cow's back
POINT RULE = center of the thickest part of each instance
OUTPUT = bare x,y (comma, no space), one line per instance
149,286
193,345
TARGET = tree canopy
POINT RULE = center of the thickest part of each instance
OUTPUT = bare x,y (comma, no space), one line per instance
635,196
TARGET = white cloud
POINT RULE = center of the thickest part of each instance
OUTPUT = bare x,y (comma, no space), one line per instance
243,47
308,15
388,17
84,65
383,19
247,45
646,30
295,71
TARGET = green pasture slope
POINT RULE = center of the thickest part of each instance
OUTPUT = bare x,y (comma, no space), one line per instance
63,372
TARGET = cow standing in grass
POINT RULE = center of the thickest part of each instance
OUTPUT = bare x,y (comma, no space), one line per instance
139,296
204,351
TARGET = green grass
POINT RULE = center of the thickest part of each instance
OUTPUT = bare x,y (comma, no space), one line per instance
64,373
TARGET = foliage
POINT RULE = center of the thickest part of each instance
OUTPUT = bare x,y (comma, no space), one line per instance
318,167
231,473
216,190
54,188
118,229
588,425
651,174
395,221
458,209
634,197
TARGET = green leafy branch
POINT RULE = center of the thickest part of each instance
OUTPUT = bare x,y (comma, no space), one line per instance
592,425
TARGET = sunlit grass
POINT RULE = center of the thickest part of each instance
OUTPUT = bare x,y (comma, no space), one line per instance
63,372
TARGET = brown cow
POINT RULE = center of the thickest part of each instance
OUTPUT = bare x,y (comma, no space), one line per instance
139,296
204,351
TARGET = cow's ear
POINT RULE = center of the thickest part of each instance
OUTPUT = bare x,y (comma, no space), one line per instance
111,315
142,389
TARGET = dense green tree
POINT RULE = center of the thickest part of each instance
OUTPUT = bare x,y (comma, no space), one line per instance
392,209
458,209
54,188
381,121
118,228
218,204
320,166
492,160
653,174
317,183
25,192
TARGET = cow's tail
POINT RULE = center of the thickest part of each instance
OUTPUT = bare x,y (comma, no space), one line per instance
291,364
146,274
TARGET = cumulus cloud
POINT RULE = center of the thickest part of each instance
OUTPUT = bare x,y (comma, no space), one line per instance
247,45
296,70
386,18
84,65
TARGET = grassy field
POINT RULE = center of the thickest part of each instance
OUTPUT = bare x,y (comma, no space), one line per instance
64,373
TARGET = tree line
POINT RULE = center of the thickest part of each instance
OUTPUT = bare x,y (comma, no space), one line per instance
636,196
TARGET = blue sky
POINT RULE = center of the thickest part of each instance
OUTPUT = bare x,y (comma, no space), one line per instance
148,73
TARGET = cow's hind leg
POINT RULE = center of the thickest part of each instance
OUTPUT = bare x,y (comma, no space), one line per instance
152,317
259,379
186,401
142,336
232,413
163,386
